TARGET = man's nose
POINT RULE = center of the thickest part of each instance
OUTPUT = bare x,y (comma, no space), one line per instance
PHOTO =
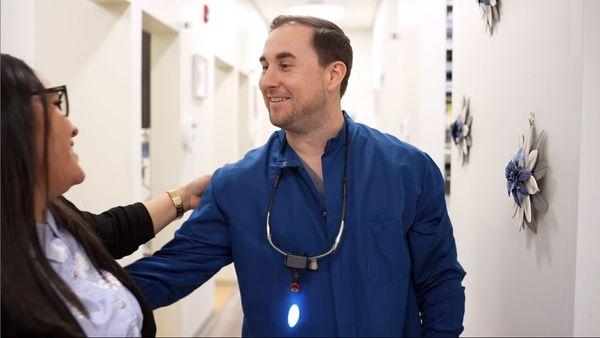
268,79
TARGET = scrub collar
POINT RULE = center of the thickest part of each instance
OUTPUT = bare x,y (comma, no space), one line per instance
286,157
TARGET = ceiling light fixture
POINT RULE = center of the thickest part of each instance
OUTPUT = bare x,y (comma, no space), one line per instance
332,13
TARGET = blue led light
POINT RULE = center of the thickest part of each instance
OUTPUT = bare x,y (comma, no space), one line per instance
293,315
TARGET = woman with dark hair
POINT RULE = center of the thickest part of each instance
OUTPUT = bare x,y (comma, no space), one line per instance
59,274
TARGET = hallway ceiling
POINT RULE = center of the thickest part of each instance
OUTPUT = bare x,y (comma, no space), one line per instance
357,13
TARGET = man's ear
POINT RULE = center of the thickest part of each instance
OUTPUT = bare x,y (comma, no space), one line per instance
336,72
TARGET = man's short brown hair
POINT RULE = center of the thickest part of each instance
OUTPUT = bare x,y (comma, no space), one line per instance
329,41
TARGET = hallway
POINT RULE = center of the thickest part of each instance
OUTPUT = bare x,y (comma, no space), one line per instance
228,319
165,90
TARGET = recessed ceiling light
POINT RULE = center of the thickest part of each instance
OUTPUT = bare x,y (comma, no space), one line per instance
333,13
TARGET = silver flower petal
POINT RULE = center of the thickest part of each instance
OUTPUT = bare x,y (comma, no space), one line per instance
532,226
520,216
465,130
538,203
527,208
464,111
540,170
530,160
495,11
532,186
527,142
541,140
469,120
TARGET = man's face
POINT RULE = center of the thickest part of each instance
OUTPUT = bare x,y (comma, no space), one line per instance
292,82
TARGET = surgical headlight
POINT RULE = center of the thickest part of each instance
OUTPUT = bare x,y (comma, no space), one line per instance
293,315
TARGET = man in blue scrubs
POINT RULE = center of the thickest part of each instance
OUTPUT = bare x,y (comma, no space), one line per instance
394,270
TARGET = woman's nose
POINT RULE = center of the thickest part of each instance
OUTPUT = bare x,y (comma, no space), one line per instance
75,131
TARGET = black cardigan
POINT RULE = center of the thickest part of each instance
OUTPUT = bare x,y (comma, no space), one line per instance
122,230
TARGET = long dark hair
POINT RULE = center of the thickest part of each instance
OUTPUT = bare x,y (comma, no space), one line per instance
33,294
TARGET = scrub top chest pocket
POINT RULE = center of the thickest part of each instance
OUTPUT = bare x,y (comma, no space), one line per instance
386,252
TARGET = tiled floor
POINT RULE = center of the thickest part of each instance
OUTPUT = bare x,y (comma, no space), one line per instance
228,313
222,294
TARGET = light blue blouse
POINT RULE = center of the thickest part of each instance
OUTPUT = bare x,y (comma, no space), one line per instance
113,309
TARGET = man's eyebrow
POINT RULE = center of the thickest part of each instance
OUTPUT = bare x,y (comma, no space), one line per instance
279,56
284,55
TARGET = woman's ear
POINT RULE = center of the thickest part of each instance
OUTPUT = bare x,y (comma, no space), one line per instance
336,72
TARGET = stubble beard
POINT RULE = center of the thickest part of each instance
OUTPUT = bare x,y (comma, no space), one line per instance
303,119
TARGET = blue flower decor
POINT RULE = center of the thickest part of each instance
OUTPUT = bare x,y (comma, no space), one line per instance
523,172
490,12
460,130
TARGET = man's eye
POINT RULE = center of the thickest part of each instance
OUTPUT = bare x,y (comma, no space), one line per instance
58,104
285,66
264,67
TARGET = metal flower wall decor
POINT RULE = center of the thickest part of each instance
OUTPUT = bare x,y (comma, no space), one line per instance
523,173
460,130
490,12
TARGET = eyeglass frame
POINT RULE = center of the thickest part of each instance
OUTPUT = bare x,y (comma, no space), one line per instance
58,89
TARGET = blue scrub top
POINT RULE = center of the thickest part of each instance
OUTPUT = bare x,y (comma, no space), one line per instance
395,272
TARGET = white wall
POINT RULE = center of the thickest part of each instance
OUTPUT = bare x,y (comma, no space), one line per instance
94,47
226,106
238,21
409,72
542,58
167,155
359,99
75,44
244,111
393,109
430,129
229,39
17,29
239,33
519,283
587,282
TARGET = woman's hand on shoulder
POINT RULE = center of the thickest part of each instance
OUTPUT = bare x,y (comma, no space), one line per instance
191,193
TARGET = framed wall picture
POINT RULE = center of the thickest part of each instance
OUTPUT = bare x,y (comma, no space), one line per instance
199,77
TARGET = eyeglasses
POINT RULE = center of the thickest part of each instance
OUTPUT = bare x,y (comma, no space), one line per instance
61,102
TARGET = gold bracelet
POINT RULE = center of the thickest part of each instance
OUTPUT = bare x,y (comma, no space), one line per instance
177,201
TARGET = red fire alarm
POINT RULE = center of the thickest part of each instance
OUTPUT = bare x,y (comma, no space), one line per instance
206,13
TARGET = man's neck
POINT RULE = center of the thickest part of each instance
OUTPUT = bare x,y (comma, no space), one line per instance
310,145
